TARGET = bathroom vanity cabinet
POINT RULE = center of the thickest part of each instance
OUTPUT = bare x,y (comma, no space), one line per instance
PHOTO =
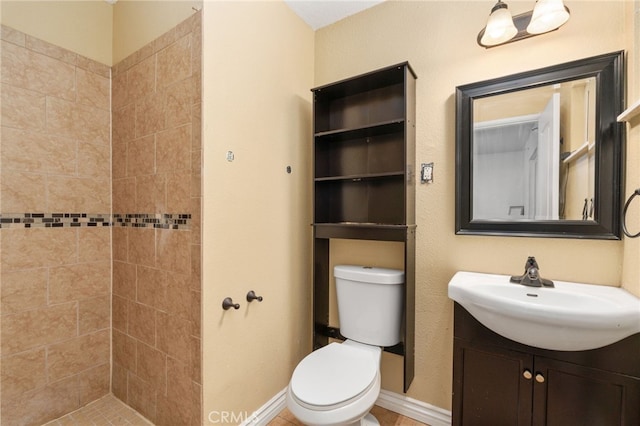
364,184
497,381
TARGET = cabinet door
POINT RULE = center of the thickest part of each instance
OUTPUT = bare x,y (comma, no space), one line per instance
568,394
491,386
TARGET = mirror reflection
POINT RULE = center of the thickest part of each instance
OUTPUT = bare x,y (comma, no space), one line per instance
533,153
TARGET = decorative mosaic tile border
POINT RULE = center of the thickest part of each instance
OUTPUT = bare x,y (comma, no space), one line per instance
155,220
69,220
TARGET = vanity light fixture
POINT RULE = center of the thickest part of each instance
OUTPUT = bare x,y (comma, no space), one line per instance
501,28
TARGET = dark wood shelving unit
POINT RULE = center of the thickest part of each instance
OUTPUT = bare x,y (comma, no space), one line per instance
364,188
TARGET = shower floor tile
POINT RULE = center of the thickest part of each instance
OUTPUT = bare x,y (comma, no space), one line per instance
106,411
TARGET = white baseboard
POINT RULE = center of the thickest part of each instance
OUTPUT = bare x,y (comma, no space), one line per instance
412,408
269,411
408,407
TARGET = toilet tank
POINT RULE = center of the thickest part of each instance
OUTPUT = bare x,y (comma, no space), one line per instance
370,303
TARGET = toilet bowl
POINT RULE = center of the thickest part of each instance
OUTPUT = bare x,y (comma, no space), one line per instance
339,383
336,385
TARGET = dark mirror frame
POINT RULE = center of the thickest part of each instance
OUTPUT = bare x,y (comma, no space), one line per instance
608,69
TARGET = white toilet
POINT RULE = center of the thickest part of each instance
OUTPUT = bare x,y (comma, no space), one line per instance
339,383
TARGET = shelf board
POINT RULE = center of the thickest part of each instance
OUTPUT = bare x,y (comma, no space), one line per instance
363,176
631,112
381,128
583,149
362,231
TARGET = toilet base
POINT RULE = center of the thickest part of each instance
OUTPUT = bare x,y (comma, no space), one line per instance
369,420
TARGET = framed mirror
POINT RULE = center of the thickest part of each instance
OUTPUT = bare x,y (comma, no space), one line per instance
540,153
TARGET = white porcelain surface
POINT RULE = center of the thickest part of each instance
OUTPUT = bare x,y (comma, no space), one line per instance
568,317
370,304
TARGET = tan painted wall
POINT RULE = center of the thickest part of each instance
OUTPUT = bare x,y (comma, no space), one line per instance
83,27
631,265
258,69
136,22
438,38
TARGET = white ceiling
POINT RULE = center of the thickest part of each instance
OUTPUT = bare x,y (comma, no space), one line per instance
320,13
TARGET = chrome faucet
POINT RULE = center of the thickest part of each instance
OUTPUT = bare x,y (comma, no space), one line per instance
531,276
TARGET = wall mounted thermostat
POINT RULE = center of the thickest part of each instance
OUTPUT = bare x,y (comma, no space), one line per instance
426,173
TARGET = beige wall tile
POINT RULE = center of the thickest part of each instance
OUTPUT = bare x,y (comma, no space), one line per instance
119,159
196,220
151,286
124,123
13,36
23,372
165,40
173,336
23,192
196,360
42,404
124,195
22,109
178,101
178,406
142,78
196,313
81,281
119,382
120,242
196,127
38,247
120,90
150,115
152,367
124,351
50,50
94,383
26,151
151,193
142,323
94,160
78,194
179,295
174,62
124,279
142,246
173,150
94,314
74,356
196,267
141,156
172,250
23,290
93,89
119,313
26,330
33,71
142,397
94,244
179,192
78,121
93,66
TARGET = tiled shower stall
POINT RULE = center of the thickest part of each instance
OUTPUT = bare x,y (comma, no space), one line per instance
100,173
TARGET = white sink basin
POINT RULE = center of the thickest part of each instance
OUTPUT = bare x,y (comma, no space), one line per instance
569,317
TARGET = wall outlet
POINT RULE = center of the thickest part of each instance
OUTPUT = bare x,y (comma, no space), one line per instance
426,173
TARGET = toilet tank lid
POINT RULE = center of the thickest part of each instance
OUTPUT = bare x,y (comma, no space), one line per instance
369,274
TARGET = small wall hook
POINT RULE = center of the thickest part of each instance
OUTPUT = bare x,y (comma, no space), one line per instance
252,296
227,303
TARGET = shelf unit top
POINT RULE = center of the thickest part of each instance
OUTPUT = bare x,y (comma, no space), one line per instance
387,76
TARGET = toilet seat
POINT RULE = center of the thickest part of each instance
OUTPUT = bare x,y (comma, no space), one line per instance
334,375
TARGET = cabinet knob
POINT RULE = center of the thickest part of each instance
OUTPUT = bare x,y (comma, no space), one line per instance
539,378
527,374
